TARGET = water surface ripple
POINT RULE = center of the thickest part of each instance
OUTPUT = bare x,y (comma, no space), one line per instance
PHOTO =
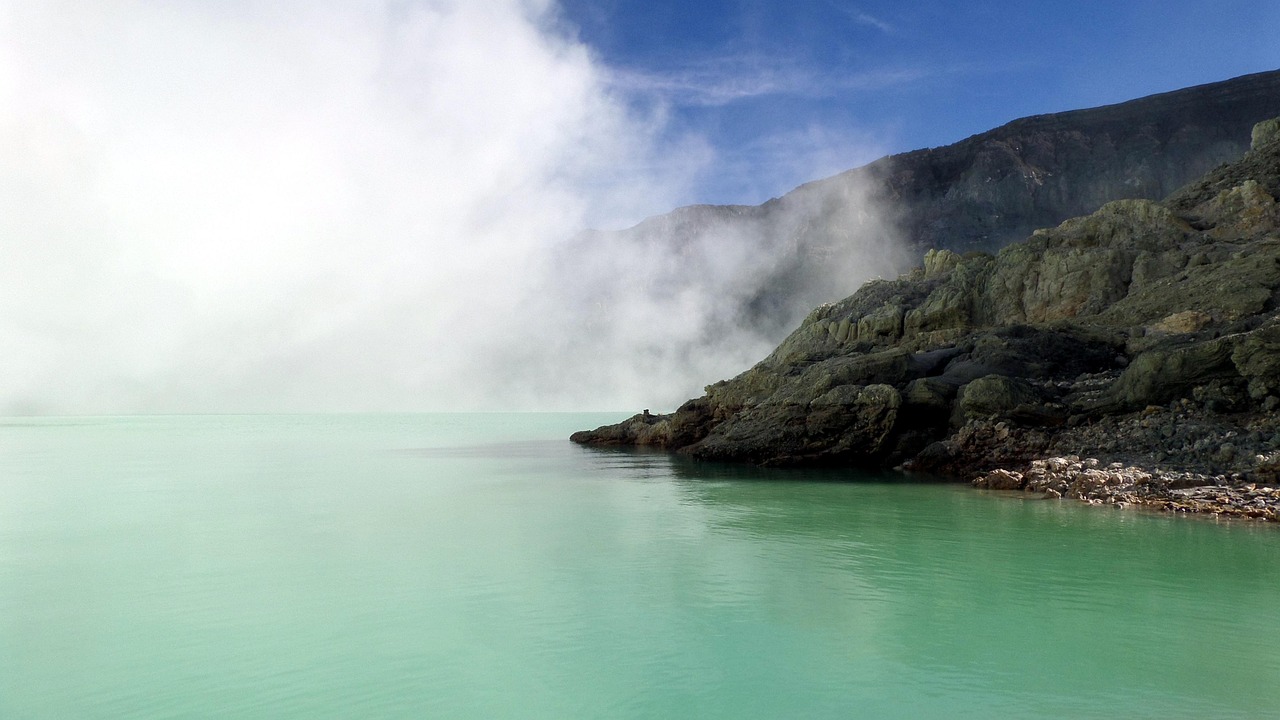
480,566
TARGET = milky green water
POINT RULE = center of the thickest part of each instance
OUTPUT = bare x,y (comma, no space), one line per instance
481,566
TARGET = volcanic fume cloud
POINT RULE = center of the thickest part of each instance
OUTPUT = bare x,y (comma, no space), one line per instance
310,206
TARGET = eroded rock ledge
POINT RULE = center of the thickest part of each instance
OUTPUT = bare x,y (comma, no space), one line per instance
1146,334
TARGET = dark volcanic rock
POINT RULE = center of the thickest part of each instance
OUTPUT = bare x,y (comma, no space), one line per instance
1145,334
847,424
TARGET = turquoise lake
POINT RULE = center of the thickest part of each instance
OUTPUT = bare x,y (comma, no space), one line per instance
481,566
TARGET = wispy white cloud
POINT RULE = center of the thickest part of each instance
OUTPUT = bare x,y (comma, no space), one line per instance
862,17
709,85
725,80
871,21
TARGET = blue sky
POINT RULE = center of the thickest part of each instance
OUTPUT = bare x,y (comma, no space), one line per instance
786,92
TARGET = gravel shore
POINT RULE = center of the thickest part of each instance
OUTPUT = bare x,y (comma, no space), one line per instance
1181,458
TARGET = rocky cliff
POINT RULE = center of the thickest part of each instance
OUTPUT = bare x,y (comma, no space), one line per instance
1120,356
814,243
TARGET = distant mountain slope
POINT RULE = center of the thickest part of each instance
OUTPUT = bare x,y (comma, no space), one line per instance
995,188
767,265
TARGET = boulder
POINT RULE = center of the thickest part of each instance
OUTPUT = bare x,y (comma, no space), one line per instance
939,262
1163,373
882,325
950,306
1150,266
842,330
1257,359
996,396
931,393
848,424
1265,132
1001,480
1187,321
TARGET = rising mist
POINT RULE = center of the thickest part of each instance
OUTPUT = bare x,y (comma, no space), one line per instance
376,206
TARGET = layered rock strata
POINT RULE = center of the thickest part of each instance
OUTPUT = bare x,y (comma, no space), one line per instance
1143,338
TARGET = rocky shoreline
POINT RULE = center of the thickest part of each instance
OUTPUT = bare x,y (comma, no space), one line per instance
1188,456
1130,357
1088,481
1179,459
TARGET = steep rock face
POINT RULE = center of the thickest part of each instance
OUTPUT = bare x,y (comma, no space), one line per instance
981,193
1133,307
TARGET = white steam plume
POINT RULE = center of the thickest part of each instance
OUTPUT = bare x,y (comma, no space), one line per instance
322,206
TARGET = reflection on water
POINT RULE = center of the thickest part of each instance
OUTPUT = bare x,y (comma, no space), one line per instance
1016,604
482,566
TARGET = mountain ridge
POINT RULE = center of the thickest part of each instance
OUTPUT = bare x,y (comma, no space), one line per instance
822,239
